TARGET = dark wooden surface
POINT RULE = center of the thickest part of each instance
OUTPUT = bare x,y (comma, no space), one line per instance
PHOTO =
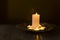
10,32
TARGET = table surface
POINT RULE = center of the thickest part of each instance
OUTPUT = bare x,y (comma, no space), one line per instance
10,32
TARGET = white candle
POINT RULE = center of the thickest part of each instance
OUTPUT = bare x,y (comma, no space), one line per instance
35,20
35,23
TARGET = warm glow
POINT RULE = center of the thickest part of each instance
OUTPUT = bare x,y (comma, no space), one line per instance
42,28
38,37
35,23
36,13
37,28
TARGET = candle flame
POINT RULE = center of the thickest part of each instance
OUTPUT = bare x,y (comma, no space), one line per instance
36,13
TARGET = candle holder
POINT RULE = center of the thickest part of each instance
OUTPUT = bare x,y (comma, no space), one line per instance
36,25
36,28
48,27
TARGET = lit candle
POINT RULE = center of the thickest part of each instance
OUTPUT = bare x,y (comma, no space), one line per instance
35,20
35,23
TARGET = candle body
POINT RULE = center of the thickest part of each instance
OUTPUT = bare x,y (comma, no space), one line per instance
36,23
35,20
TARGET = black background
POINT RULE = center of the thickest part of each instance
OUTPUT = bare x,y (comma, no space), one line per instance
17,11
14,11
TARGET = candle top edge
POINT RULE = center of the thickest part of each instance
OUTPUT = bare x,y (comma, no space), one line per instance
36,13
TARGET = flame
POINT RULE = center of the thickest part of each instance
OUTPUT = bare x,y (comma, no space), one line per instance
36,13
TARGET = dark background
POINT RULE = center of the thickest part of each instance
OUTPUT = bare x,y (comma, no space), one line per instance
16,11
19,11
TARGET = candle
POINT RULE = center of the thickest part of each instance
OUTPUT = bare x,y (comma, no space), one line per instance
35,20
36,23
